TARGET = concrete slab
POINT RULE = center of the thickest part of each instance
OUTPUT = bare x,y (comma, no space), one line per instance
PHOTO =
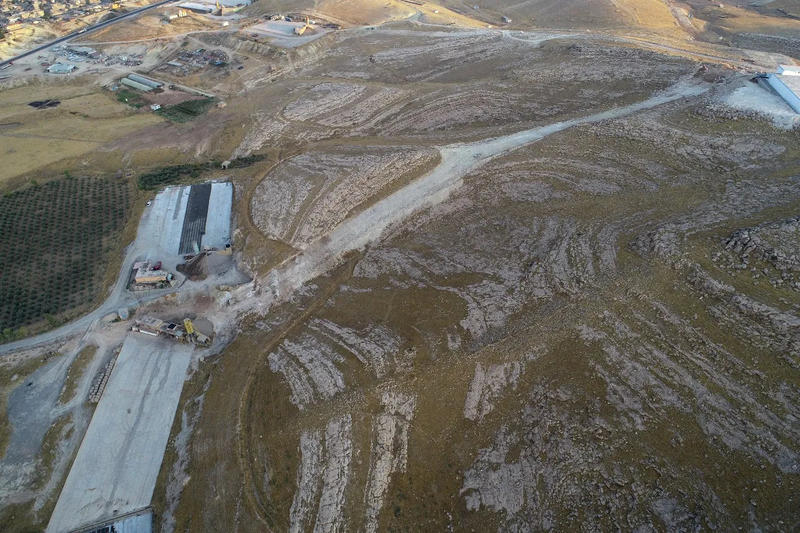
162,222
140,522
116,467
792,82
788,88
218,220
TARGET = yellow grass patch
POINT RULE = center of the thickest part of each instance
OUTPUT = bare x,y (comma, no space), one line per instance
86,118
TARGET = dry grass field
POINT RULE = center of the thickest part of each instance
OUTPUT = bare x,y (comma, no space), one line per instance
150,26
87,118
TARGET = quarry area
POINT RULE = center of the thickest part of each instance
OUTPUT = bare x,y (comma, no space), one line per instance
400,266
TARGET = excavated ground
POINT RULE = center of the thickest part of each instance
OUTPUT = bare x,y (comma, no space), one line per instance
599,330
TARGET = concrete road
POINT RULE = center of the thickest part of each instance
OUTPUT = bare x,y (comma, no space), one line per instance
119,459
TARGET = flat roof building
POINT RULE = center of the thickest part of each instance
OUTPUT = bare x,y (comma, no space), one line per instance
146,274
789,70
60,68
197,8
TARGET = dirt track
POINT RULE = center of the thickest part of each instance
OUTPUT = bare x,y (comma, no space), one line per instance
457,161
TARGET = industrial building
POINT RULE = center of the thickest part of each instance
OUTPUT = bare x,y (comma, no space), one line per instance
786,84
145,81
60,68
197,8
141,83
136,85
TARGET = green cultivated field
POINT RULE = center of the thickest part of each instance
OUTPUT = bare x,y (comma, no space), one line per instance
55,241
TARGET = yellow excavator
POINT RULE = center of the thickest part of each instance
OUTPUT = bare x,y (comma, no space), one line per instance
300,30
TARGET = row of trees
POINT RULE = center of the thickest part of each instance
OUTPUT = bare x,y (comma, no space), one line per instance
54,245
177,173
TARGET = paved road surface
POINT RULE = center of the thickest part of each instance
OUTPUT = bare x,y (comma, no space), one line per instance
86,30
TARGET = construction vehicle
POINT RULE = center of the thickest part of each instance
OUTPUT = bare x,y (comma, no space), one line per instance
194,336
156,327
300,30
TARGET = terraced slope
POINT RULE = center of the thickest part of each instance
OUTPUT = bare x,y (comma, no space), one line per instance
595,330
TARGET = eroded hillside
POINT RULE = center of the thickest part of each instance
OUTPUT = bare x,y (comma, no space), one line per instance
597,330
465,266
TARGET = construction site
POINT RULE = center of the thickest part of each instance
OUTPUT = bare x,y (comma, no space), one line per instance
186,332
248,247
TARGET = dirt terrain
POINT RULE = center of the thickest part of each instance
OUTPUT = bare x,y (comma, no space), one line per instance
549,344
541,275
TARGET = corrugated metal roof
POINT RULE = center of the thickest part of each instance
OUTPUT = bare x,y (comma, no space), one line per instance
145,81
197,7
60,68
135,85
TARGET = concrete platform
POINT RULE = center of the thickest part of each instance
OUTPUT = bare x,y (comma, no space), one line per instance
218,221
787,87
162,230
116,467
162,222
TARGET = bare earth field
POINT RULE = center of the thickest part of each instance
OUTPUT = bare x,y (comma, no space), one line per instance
541,275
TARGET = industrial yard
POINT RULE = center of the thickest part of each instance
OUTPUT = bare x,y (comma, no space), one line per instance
248,249
118,462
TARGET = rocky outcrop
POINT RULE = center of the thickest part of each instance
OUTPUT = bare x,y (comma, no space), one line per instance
389,452
770,251
377,347
308,476
322,478
309,367
487,385
307,196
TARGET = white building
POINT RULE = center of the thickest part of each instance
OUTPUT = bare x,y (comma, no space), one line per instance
60,68
789,70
